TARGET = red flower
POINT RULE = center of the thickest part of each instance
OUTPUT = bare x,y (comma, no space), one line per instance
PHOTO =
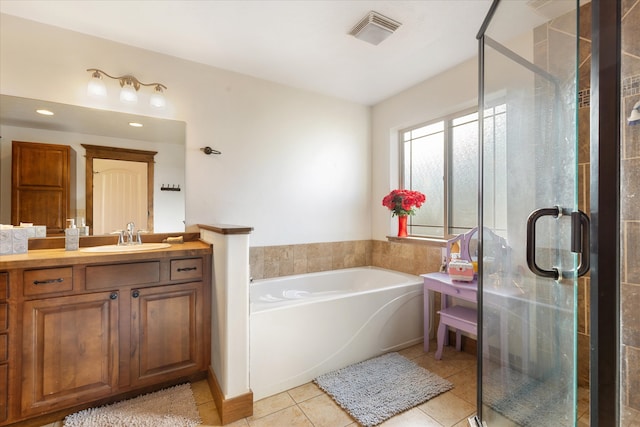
402,202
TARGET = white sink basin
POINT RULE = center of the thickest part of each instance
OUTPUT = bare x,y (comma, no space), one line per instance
126,248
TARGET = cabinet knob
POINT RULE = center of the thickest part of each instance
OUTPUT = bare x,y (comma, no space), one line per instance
114,295
135,293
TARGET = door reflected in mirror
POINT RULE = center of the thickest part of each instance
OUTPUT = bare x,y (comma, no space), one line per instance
111,180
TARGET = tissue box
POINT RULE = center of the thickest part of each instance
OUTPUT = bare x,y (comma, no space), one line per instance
13,241
30,229
20,241
6,241
41,231
461,270
33,230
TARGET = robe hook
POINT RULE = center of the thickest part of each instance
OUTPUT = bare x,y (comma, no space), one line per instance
209,150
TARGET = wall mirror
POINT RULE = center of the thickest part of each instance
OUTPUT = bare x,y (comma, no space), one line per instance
81,126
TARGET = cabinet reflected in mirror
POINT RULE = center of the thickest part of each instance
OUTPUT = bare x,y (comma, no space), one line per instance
79,127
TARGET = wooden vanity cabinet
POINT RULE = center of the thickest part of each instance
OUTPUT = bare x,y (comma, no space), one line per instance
165,331
70,350
4,346
91,331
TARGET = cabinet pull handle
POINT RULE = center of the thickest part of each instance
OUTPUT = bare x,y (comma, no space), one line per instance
135,293
48,281
114,295
187,269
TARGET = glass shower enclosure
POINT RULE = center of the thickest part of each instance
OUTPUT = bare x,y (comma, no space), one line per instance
534,240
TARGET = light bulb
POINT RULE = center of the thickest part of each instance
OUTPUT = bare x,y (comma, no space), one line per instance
128,93
96,86
157,98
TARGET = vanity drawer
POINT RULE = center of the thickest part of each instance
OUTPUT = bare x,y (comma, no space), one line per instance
46,281
183,269
116,275
4,286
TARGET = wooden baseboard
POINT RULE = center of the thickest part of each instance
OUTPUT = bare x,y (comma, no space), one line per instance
233,409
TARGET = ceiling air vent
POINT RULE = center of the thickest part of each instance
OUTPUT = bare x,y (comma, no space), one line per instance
374,28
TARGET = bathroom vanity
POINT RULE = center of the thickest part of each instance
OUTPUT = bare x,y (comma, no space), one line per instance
79,329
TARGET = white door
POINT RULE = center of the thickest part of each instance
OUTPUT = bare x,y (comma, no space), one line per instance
119,195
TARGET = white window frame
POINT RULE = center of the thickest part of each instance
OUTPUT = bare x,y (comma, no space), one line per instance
447,156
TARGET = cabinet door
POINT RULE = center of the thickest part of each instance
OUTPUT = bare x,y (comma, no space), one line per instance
70,350
167,332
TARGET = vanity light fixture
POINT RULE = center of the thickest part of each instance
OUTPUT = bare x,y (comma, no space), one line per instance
135,124
130,87
44,112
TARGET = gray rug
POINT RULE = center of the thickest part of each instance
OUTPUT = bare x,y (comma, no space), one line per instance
377,389
170,407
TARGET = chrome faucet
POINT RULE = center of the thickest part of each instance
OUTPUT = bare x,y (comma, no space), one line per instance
126,237
130,227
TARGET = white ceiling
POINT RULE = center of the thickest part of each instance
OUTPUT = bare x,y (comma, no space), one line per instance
301,43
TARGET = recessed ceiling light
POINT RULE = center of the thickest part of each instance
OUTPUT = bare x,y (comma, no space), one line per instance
135,124
44,112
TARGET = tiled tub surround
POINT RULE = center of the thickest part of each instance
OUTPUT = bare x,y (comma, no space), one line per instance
407,257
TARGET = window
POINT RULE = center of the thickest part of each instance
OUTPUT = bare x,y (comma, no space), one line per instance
440,159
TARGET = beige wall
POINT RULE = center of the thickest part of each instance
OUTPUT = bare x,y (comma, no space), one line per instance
293,162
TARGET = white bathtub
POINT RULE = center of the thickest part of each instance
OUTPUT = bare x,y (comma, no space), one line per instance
306,325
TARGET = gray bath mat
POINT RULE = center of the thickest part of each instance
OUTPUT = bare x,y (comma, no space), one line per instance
377,389
170,407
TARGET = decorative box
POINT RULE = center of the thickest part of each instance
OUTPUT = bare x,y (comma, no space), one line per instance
460,270
13,240
41,231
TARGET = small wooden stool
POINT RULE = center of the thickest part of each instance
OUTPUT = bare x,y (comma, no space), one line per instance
458,317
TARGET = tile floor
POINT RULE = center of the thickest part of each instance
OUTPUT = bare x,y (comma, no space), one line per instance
308,406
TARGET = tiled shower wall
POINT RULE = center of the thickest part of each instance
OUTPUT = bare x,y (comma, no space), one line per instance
584,165
629,208
274,261
630,217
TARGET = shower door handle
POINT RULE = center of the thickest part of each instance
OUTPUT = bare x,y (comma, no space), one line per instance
580,225
580,228
531,242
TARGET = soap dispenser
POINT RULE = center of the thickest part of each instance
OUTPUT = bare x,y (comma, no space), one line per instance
71,236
